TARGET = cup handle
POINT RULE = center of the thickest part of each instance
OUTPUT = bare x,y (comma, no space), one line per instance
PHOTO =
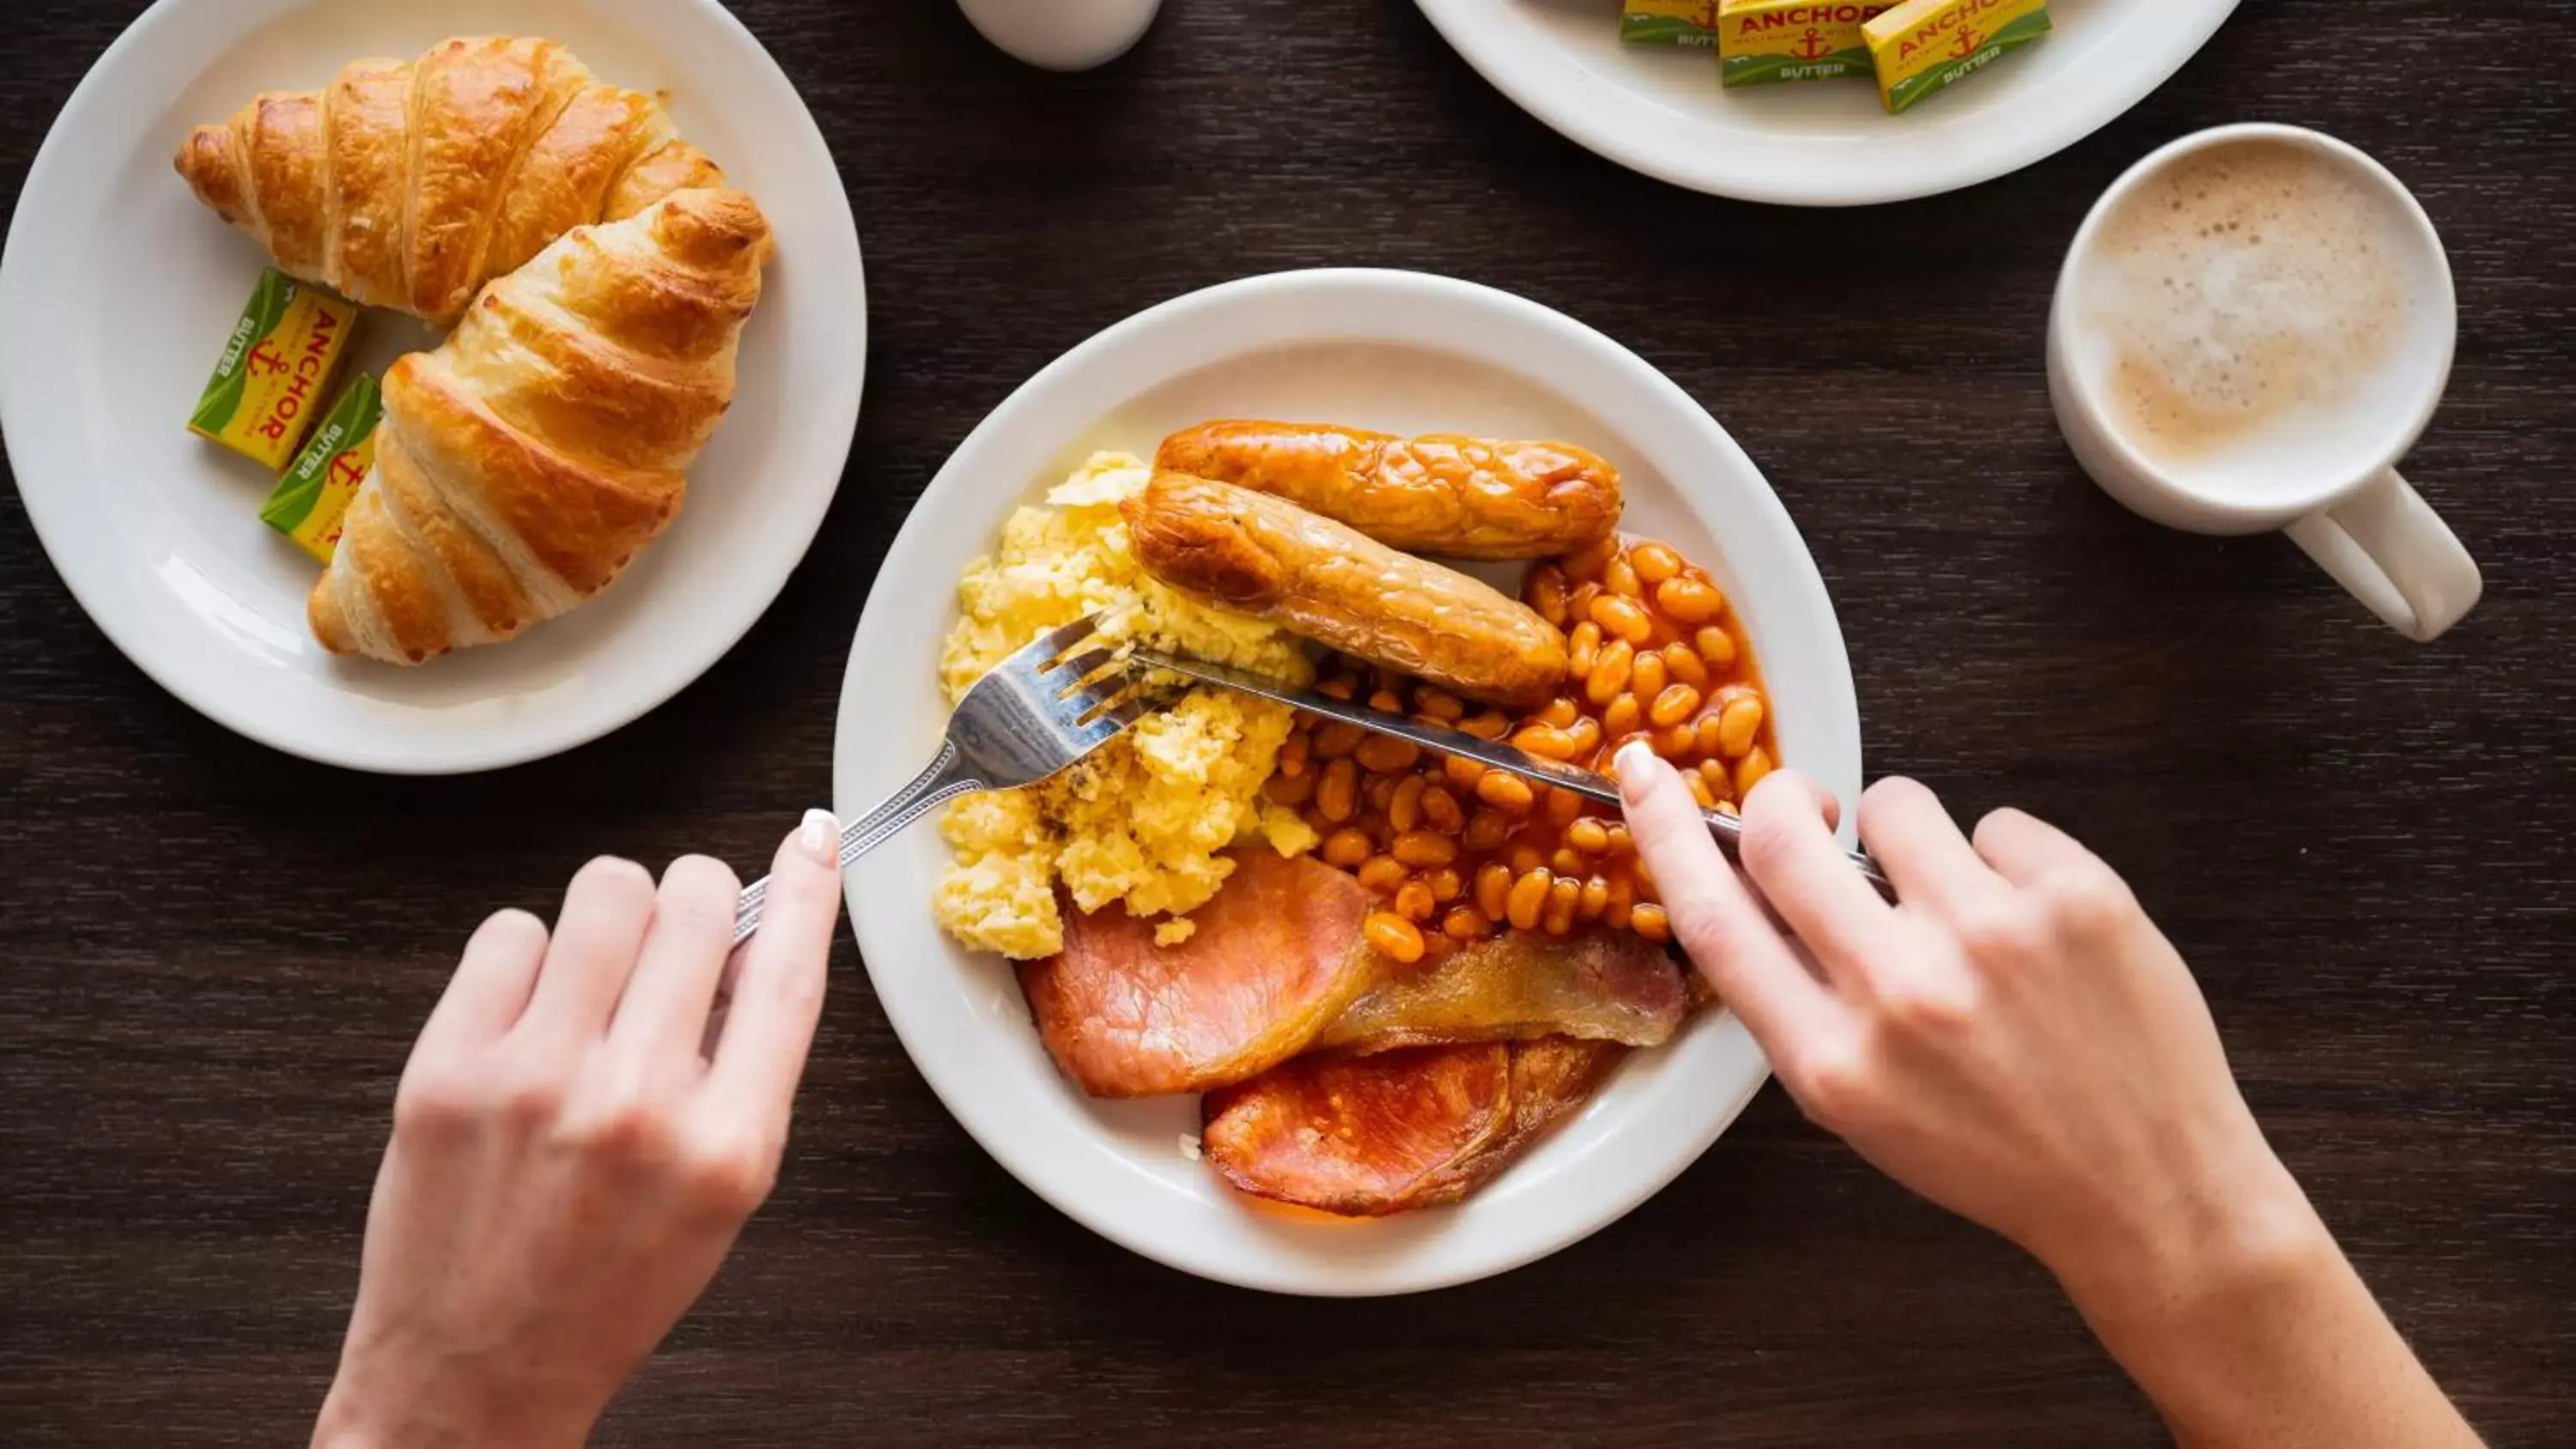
2394,553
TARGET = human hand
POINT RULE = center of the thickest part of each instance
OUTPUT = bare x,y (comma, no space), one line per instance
2016,1041
581,1131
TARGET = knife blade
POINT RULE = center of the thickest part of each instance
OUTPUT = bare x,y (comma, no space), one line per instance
1728,830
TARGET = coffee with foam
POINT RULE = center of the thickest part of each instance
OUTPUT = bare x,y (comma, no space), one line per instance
2248,309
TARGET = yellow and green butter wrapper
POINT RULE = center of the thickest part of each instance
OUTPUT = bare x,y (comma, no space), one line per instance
315,494
1688,23
1765,42
277,369
1924,47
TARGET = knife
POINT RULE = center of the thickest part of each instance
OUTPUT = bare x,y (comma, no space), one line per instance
1599,788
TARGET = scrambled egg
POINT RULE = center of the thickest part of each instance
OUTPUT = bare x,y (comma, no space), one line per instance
1143,820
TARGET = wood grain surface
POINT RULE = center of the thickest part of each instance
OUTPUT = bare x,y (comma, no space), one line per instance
213,958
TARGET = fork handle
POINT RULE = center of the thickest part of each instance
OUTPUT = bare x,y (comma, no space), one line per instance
945,780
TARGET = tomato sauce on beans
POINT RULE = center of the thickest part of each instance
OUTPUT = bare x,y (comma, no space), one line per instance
1456,852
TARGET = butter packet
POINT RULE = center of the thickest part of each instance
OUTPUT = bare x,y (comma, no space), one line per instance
1764,42
1688,23
276,369
315,494
1926,46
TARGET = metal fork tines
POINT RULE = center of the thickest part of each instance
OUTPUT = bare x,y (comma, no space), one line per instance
1035,714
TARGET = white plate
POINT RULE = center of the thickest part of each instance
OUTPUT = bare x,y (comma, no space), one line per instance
1820,143
1390,350
118,287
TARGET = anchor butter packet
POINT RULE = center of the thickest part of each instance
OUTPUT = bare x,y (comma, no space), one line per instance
276,369
1688,23
315,494
1764,42
1923,47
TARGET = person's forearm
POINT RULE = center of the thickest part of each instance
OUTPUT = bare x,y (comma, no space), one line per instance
2255,1330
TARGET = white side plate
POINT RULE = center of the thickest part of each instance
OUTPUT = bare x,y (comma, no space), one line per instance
1390,350
117,289
1820,143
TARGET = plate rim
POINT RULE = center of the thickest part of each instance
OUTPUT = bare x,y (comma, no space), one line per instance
861,699
464,754
1542,90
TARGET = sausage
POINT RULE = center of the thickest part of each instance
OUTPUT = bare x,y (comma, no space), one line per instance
1439,493
1269,558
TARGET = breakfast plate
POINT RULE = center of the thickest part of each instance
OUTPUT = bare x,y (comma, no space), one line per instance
1820,143
1388,350
118,289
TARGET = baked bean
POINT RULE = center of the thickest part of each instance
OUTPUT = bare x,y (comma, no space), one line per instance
1290,790
1462,772
1528,899
1391,679
1581,648
1490,725
1560,713
1337,739
1493,888
1465,923
1567,861
1675,741
1578,605
1622,716
1445,885
1726,807
1619,576
1699,790
1610,670
1385,754
1563,806
1588,562
1737,724
1588,835
1379,792
1294,753
1750,770
1648,920
1674,705
1404,810
1620,842
1349,849
1440,809
1413,900
1340,686
1386,701
1547,593
1623,899
1486,832
1505,792
1394,937
1586,734
1424,848
1624,617
1440,705
1654,562
1547,742
1337,794
1714,645
1645,875
1527,858
1688,601
1646,677
1682,662
1719,785
1595,899
1710,729
1563,894
1383,873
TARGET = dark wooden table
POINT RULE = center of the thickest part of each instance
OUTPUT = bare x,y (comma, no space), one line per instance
212,957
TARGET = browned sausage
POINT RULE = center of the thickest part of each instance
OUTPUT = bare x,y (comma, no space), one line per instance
1439,493
1268,557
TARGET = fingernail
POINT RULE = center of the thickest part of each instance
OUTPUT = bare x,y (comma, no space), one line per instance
1629,767
820,837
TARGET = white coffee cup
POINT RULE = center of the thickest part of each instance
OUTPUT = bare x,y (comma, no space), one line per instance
2334,487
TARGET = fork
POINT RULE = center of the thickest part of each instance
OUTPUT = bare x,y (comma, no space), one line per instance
1034,715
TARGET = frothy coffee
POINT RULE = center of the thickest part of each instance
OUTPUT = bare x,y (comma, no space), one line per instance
2251,289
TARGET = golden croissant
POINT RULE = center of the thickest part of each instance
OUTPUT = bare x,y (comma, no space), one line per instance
409,184
523,463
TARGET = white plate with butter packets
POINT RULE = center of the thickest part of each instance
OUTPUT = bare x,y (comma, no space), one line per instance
159,533
1393,351
1660,108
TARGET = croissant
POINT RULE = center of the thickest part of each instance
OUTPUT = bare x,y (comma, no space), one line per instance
523,463
409,184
